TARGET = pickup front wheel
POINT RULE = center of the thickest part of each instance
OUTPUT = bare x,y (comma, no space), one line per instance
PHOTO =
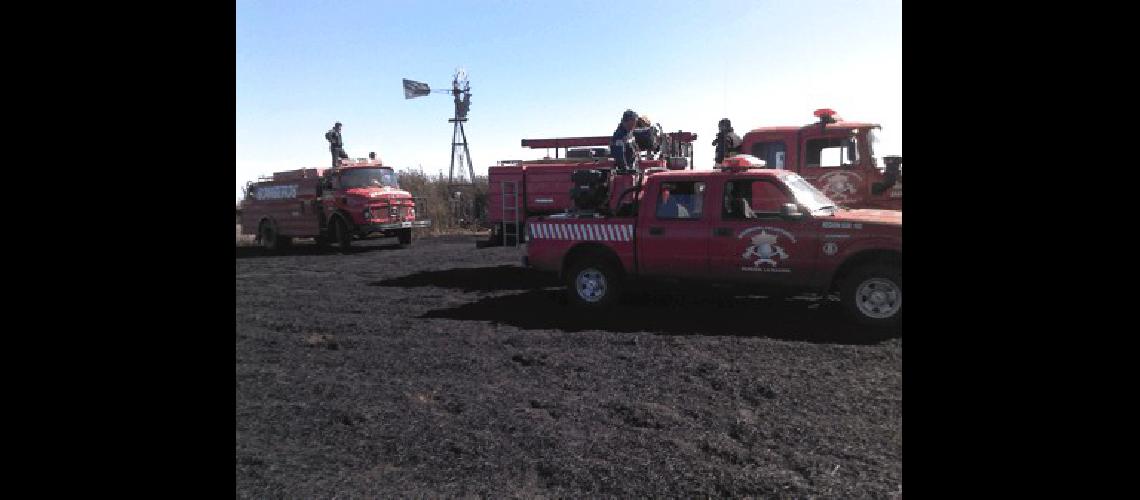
872,295
592,284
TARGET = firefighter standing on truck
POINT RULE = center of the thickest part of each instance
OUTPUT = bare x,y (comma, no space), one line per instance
336,144
727,142
623,145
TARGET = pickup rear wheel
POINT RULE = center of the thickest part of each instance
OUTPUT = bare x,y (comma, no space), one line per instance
592,284
872,295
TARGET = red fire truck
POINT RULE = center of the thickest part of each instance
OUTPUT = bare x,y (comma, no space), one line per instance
836,156
521,189
741,225
358,199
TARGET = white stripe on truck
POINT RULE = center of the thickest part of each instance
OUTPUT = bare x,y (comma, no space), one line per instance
582,232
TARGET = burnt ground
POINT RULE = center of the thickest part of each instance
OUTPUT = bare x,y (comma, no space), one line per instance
439,370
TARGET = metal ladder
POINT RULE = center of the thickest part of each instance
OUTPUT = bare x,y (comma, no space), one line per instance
513,208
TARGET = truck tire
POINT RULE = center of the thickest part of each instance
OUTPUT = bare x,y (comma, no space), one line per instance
592,284
340,234
872,295
405,237
267,236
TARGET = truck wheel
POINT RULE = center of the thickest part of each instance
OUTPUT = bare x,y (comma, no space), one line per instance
592,284
405,236
341,236
872,295
267,236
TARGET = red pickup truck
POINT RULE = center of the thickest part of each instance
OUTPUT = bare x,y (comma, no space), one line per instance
759,228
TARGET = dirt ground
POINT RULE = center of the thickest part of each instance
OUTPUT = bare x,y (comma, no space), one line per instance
442,370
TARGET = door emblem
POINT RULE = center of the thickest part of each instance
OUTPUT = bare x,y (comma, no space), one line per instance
840,186
764,252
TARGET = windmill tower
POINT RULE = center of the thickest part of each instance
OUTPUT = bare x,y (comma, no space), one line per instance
461,92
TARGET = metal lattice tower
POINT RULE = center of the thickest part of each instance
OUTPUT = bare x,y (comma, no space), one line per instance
461,91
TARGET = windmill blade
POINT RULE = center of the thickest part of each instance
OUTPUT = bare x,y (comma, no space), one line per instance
413,89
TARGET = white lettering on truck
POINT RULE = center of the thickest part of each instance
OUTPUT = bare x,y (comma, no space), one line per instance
276,192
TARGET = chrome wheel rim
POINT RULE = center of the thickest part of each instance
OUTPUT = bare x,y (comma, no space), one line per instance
878,298
591,285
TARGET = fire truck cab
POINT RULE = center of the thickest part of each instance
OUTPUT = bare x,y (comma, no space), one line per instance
836,156
359,199
740,226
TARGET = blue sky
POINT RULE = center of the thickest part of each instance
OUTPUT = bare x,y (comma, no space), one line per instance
550,69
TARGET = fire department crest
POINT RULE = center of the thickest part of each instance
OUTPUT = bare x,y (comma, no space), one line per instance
764,251
840,186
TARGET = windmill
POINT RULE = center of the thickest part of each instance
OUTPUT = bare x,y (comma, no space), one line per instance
460,154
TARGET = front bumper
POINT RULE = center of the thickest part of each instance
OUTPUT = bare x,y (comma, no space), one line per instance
391,226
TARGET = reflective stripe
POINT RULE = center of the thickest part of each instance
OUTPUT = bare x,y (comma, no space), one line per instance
581,231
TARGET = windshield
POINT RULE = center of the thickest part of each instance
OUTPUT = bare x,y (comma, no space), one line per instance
873,141
808,196
368,177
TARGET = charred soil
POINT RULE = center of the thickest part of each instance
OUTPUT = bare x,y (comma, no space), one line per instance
441,370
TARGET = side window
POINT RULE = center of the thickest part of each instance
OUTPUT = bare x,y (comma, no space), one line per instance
680,200
830,152
749,199
772,153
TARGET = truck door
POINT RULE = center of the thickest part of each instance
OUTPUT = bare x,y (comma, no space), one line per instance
672,235
752,243
829,161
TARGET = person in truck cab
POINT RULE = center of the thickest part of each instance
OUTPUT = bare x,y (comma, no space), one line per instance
623,146
336,144
727,142
679,202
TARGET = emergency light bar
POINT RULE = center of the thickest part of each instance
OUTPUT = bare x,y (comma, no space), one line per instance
826,115
740,163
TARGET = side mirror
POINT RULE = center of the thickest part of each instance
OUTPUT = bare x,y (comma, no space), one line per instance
790,211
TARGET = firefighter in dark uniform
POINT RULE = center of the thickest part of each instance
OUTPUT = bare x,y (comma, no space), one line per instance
336,144
623,145
727,142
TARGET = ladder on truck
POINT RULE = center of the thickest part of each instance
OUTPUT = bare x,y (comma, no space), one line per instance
510,205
